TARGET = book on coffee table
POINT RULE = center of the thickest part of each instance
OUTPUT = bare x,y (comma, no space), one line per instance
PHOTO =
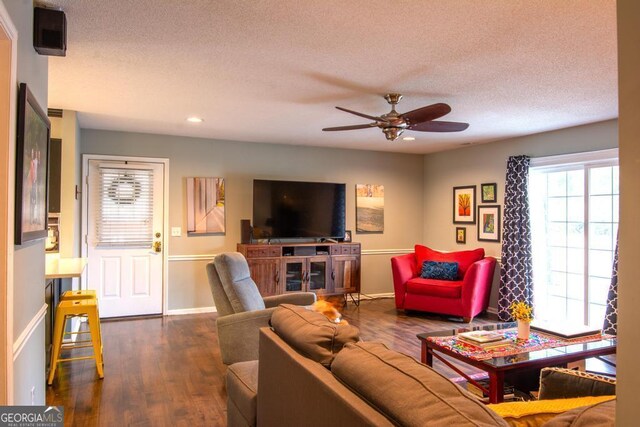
563,329
480,336
486,345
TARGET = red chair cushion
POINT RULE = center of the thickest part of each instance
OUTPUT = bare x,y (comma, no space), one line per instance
463,258
435,288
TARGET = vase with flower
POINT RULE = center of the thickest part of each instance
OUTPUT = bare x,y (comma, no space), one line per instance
523,313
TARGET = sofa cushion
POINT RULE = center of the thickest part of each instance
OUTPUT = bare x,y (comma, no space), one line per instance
439,270
601,415
312,333
557,383
435,288
406,391
463,258
537,412
235,277
242,391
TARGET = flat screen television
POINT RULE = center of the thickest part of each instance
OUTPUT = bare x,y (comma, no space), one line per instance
292,209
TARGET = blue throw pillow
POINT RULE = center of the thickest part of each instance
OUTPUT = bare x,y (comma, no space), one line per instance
439,270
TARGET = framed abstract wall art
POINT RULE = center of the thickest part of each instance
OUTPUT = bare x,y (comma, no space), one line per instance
205,206
489,192
464,205
461,235
32,168
489,223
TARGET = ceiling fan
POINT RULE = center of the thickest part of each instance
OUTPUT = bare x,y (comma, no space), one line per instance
393,123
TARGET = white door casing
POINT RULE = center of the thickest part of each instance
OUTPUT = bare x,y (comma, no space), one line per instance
123,266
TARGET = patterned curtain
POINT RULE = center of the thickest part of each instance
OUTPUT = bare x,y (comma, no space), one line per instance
611,315
517,265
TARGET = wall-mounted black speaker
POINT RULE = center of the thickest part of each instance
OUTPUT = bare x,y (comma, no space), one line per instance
49,31
245,231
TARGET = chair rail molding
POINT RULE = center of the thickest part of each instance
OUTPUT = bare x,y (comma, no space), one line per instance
28,331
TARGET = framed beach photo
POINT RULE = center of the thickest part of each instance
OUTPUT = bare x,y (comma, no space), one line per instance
461,235
369,208
32,169
464,205
489,223
489,192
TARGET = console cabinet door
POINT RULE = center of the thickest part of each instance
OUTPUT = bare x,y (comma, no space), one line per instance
345,273
319,275
295,273
266,273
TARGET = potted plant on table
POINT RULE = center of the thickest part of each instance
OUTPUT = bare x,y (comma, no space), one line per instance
523,313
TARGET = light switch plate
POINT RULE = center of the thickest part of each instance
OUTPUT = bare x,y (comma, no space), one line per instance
176,232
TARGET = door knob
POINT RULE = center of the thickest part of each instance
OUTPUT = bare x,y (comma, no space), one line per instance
157,246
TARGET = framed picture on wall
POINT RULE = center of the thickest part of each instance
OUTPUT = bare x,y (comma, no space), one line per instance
32,168
489,223
347,235
461,235
489,192
464,205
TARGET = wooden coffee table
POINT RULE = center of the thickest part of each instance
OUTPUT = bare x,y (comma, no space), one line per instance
497,367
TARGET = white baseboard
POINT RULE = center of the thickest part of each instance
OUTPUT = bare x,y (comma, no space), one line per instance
197,310
376,296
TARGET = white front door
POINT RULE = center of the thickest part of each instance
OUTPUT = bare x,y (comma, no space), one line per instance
125,205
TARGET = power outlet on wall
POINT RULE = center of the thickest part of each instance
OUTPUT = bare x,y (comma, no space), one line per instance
176,231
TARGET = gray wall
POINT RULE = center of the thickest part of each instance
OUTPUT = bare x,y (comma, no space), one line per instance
28,263
239,163
486,163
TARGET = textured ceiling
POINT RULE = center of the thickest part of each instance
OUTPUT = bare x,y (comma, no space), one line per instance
272,71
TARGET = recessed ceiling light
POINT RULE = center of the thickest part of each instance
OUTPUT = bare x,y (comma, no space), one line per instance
408,138
194,120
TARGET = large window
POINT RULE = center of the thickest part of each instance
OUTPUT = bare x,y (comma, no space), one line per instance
574,223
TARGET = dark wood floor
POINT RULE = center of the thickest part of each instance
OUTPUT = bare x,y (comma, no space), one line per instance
168,371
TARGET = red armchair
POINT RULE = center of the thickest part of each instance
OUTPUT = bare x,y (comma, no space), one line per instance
466,297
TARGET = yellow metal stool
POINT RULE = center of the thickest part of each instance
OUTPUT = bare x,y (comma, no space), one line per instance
73,295
67,309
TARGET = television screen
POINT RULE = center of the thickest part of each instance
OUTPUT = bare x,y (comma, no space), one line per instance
290,209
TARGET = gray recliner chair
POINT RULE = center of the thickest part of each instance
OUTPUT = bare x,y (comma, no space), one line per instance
242,311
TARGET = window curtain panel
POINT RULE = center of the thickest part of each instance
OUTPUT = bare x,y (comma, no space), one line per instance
611,315
516,282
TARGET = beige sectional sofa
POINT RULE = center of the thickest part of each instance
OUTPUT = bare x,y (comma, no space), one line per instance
313,372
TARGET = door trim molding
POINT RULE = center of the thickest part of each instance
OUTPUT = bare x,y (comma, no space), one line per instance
165,213
8,96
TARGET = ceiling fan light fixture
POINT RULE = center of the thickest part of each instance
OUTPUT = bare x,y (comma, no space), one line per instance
392,133
194,119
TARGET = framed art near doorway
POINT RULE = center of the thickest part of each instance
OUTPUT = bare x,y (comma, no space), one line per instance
32,161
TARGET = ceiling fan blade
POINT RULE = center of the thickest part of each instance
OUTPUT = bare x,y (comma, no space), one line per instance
353,127
425,114
439,126
366,116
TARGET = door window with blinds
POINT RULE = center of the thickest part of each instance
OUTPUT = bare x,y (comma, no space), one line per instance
124,216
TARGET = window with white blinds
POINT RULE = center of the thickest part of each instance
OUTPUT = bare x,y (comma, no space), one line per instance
125,207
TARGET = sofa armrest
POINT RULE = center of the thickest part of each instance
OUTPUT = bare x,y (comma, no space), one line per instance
238,334
476,285
403,268
295,298
560,383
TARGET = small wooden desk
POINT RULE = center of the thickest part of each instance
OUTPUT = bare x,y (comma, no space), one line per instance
64,268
